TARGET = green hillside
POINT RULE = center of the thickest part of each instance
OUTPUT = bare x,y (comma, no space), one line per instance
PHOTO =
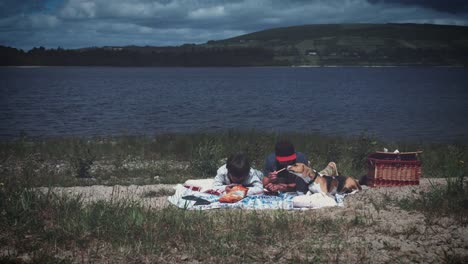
313,45
360,44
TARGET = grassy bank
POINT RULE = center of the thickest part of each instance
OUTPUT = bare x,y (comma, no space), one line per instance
47,228
50,228
54,229
172,158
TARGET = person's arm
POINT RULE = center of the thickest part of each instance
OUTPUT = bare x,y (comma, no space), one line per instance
270,180
288,186
219,182
266,180
256,186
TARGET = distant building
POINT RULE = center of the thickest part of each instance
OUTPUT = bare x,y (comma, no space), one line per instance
311,53
113,48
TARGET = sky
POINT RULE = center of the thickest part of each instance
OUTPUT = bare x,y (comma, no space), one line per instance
71,24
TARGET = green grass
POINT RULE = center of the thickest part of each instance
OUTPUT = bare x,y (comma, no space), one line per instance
360,44
450,199
37,223
44,227
446,199
173,158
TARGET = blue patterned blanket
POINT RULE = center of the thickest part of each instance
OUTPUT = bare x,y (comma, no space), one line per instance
188,199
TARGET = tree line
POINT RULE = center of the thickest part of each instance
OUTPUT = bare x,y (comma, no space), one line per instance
186,55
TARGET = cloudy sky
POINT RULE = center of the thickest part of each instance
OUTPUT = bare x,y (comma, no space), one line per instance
83,23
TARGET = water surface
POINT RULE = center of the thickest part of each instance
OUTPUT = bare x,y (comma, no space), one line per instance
401,103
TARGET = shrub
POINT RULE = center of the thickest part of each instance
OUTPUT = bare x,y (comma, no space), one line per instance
206,158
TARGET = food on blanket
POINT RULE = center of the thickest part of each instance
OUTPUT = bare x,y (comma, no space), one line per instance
323,183
236,194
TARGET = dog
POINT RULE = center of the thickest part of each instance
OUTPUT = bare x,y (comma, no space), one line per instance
323,183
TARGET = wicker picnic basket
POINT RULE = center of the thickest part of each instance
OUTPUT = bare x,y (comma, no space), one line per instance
393,169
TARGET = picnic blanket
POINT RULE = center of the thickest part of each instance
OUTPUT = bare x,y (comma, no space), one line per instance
187,197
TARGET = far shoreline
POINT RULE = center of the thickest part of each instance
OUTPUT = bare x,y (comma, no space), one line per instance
227,66
225,134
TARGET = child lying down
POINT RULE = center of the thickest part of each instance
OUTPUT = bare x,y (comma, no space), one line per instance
237,171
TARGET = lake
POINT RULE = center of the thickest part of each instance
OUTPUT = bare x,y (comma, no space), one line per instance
391,103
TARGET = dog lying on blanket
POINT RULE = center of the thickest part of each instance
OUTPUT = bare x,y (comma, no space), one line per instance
323,183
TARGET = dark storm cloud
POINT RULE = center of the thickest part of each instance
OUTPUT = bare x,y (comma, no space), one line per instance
450,6
8,7
81,23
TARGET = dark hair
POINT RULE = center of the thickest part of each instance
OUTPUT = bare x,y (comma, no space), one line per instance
238,164
284,148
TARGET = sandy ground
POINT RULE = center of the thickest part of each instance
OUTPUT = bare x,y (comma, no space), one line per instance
409,236
388,232
143,193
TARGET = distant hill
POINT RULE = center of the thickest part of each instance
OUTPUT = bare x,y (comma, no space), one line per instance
314,45
360,44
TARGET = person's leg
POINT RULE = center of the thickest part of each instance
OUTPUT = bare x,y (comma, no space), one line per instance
330,170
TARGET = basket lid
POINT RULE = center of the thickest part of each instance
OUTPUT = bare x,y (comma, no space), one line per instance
394,156
400,153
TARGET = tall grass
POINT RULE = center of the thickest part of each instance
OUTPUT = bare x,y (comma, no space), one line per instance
108,160
53,228
37,223
450,199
